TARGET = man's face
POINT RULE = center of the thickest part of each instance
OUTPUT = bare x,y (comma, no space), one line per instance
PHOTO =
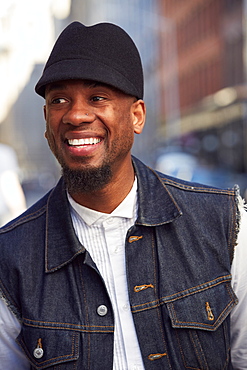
90,126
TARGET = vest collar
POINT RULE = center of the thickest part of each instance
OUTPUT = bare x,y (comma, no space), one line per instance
62,244
156,205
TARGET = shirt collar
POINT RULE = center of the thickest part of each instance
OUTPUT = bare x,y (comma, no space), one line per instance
126,209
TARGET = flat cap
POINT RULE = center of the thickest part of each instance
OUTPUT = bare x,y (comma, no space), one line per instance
103,52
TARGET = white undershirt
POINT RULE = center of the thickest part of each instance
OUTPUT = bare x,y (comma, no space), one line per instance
108,232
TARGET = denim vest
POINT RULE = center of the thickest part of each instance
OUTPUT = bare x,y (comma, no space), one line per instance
178,257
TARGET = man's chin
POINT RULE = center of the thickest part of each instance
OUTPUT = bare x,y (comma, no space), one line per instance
86,180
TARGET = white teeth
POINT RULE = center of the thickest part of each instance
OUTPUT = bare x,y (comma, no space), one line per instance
87,141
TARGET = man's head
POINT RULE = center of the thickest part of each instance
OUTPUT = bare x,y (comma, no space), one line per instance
103,52
93,86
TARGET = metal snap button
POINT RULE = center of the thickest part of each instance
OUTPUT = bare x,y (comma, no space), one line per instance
38,352
102,310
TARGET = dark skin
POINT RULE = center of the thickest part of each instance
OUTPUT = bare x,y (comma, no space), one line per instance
89,125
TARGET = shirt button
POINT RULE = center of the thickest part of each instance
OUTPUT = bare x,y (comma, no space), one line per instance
102,310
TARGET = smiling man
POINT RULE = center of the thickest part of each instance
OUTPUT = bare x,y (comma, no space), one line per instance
119,266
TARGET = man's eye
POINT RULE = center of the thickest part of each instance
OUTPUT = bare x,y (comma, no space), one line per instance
58,101
97,98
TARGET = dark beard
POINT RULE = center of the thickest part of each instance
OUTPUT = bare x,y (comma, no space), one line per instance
86,180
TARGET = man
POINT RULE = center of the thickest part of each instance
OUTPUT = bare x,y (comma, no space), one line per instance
118,266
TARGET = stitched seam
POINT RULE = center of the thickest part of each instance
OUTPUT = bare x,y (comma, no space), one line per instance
182,353
198,188
190,187
221,315
64,263
167,299
73,329
180,347
227,349
201,354
155,290
77,349
147,308
24,219
29,322
86,312
158,224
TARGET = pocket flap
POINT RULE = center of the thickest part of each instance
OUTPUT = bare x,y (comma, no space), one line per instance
47,347
205,309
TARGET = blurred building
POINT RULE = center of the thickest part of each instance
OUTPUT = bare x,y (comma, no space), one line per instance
206,78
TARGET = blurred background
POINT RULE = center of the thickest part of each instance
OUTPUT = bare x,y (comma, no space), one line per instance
195,63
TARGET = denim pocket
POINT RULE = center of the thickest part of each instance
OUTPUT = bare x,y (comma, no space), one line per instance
50,348
200,320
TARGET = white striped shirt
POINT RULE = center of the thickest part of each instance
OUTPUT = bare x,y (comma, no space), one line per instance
103,235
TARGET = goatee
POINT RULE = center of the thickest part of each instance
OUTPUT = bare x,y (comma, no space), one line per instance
86,180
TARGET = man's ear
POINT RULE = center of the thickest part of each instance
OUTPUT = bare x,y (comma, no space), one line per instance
139,115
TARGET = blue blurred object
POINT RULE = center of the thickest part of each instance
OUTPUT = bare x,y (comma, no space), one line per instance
187,167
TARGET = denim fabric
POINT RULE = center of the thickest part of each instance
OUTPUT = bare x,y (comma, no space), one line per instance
178,258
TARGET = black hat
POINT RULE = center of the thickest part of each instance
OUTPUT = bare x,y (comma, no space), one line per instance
103,52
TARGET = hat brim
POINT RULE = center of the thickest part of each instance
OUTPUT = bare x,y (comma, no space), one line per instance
85,69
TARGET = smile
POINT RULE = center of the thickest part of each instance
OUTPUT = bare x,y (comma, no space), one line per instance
81,142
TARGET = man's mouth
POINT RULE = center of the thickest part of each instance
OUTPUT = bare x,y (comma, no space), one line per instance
83,142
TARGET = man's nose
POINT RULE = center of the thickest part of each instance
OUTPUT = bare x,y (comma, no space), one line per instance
78,114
